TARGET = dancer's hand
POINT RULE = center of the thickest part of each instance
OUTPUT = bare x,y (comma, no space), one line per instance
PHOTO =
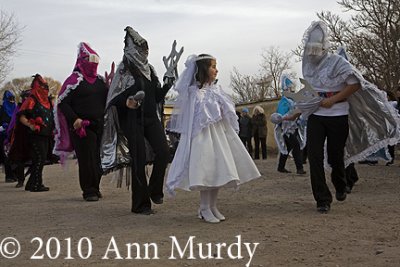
77,123
327,102
110,76
32,127
132,103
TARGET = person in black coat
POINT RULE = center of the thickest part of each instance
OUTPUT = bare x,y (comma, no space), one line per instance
245,130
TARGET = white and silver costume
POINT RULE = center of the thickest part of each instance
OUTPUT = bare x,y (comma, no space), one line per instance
286,107
373,122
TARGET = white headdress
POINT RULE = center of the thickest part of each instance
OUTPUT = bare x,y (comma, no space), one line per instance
182,106
187,77
316,42
316,46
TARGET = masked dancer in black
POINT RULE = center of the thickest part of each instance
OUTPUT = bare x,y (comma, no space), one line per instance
79,120
139,121
36,113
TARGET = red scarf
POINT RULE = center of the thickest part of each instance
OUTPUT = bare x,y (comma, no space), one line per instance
40,90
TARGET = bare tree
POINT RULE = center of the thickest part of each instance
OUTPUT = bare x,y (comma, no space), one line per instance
243,86
265,85
9,40
274,64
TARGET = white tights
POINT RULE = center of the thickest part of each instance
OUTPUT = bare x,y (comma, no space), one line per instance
208,206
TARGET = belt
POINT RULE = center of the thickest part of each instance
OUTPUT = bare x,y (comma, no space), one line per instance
327,94
330,94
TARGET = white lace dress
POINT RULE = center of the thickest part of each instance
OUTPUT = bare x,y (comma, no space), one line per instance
215,155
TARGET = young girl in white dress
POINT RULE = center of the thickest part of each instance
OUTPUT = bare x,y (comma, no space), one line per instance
210,154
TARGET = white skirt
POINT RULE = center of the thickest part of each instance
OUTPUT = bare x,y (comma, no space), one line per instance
218,158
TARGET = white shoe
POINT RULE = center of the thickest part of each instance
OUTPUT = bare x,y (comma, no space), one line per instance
208,216
217,214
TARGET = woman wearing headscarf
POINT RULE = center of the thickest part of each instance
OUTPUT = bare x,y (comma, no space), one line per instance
138,118
259,127
36,113
79,120
6,112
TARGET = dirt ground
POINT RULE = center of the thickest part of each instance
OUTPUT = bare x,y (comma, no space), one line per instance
277,211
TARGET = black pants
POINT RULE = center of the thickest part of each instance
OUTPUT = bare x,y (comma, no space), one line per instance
4,160
142,190
247,144
19,170
257,141
351,175
304,154
335,131
38,152
391,152
87,151
292,144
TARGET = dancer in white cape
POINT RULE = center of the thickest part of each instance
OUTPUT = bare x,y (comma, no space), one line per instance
210,154
354,116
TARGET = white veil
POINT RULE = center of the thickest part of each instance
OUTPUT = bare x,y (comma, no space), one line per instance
182,122
180,115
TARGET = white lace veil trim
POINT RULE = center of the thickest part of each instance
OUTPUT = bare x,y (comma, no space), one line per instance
179,117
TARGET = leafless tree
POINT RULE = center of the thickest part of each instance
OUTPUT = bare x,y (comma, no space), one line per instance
10,34
264,85
243,86
274,64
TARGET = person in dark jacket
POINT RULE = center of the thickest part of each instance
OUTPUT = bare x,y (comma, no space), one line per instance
245,130
259,127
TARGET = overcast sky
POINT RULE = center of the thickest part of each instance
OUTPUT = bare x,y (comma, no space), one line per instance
234,31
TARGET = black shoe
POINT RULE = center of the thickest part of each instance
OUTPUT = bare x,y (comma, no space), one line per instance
389,163
19,184
45,188
144,212
301,171
341,196
284,171
92,198
40,189
159,200
10,180
323,208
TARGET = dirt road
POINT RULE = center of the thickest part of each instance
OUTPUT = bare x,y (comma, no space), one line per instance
276,211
